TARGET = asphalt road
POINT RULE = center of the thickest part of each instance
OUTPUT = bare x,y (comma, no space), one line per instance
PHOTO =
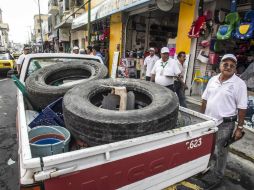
8,141
239,173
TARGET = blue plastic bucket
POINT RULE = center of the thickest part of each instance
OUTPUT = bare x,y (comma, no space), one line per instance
48,140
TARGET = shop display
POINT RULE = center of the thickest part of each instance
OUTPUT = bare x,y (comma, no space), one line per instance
234,34
245,30
203,22
226,31
130,68
100,35
231,21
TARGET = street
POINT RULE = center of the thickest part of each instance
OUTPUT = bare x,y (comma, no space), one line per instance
8,144
239,173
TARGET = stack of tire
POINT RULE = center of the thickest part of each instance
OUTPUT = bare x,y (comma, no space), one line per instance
156,106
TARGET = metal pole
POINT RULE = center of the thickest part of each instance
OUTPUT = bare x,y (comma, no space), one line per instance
89,22
40,24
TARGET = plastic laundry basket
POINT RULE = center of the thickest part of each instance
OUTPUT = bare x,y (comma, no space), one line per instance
48,140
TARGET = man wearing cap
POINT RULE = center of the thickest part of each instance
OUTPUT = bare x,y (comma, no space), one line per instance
75,50
165,69
26,50
225,99
149,63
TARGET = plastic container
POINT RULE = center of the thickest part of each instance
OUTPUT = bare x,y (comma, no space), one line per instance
48,140
51,115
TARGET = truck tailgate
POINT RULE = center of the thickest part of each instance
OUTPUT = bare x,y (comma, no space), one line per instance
150,162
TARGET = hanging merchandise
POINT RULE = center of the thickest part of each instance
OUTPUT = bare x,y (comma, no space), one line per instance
198,27
224,46
203,56
212,42
245,30
220,15
205,43
232,19
213,58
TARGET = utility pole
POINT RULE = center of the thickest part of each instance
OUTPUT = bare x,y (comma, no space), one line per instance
40,24
89,22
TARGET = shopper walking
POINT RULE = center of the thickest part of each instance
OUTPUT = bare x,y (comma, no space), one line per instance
165,69
179,84
225,98
149,63
96,52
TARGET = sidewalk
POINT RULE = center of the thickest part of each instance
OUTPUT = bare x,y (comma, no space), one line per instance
244,147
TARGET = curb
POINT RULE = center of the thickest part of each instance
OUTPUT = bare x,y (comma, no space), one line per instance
241,154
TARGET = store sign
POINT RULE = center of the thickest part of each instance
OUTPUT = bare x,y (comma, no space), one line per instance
112,6
109,7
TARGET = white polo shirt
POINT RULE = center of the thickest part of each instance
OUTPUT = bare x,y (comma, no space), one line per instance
223,99
181,67
165,71
21,59
149,63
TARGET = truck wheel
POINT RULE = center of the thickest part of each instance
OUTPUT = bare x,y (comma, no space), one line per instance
47,84
156,110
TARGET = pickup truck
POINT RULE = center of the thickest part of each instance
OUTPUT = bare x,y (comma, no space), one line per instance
154,161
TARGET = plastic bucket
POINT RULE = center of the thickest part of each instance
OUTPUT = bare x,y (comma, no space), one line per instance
48,140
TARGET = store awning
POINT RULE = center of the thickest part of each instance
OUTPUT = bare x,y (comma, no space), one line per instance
64,24
83,19
108,8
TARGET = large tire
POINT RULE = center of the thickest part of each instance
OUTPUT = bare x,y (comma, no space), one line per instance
97,126
40,84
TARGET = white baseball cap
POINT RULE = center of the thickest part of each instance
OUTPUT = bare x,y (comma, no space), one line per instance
164,50
151,49
75,48
229,56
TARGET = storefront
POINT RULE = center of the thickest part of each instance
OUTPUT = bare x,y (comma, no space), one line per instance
216,40
137,25
145,28
100,32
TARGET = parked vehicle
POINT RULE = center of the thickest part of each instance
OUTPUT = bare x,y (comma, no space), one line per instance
16,55
153,161
6,61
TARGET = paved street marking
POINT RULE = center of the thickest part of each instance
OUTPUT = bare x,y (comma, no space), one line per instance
184,185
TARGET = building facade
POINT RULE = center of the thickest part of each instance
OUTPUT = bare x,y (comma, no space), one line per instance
4,33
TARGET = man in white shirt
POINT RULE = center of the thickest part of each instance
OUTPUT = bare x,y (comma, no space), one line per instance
165,69
26,50
225,99
179,84
149,63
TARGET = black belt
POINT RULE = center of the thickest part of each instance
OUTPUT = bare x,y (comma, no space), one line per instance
230,119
